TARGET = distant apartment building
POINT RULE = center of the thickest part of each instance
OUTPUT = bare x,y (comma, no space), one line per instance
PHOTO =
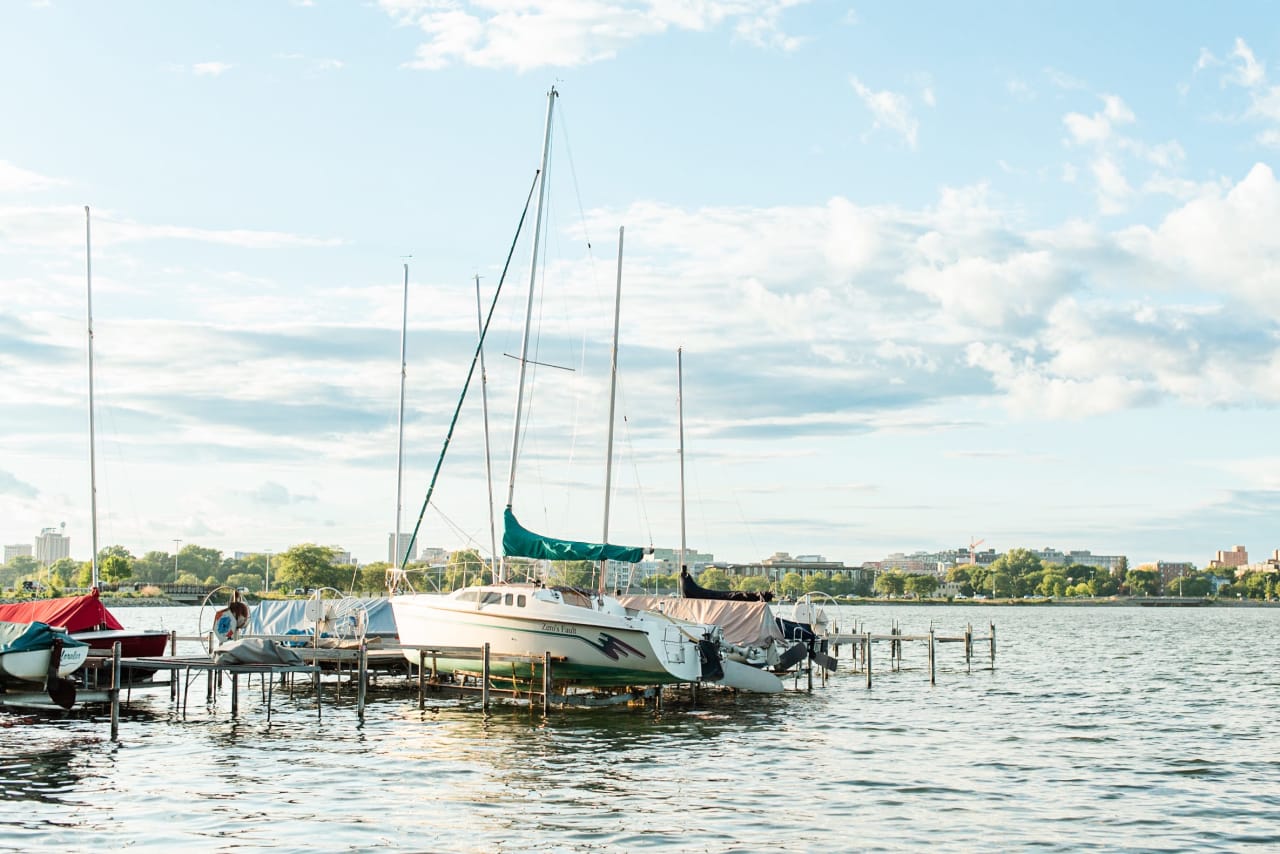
433,555
1237,556
780,564
916,563
52,544
1080,557
396,552
1170,570
1271,564
17,550
343,558
668,560
932,563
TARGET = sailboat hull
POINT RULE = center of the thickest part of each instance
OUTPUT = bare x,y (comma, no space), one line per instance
591,647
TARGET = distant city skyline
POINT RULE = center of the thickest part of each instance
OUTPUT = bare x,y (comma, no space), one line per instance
939,272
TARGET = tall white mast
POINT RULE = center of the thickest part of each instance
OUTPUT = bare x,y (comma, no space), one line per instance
528,314
680,410
401,559
613,389
488,457
93,466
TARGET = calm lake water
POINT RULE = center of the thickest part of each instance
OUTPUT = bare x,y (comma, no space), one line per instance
1103,728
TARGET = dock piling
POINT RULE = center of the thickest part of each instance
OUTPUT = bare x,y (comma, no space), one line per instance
115,691
546,683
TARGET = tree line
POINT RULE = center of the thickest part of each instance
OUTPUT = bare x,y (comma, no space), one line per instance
1017,573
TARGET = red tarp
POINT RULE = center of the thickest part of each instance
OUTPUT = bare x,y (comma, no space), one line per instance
73,613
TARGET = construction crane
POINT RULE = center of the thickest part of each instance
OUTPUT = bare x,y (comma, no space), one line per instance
973,545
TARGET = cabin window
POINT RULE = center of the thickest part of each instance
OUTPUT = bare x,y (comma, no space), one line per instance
506,600
491,597
468,596
520,600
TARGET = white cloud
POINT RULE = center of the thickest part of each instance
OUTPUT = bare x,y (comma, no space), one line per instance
59,226
1020,89
989,292
1248,72
890,111
1108,149
274,494
210,69
1032,391
1097,129
1225,242
529,34
1063,80
17,180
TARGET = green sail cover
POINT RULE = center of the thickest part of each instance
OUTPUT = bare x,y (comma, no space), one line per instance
518,542
28,637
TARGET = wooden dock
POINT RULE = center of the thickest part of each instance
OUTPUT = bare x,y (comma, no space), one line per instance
862,643
107,681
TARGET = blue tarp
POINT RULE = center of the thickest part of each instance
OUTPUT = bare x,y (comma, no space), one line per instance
24,637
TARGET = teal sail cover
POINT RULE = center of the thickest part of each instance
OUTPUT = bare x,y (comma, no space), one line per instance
518,542
25,637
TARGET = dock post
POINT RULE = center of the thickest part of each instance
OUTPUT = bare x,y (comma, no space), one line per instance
235,694
362,674
484,680
546,682
968,648
422,677
866,639
993,645
933,680
809,671
173,651
115,691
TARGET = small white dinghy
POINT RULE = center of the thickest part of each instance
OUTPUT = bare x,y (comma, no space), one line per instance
26,650
744,677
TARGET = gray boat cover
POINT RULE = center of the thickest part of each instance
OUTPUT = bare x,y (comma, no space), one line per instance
255,651
289,616
743,623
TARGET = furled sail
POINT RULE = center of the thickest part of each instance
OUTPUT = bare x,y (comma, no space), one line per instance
519,542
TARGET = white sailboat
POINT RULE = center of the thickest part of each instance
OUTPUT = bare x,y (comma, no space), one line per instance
597,640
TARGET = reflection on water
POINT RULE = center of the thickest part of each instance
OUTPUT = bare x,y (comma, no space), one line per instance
46,775
1102,727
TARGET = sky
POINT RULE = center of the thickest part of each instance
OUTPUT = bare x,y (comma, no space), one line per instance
939,273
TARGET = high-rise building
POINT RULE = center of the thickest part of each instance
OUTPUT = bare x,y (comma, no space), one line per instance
395,553
1237,556
16,550
53,544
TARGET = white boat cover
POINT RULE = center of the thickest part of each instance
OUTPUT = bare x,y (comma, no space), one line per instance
743,623
288,616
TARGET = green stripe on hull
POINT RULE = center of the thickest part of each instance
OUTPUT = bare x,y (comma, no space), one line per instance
565,671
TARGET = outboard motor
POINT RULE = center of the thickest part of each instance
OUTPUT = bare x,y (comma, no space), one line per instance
709,652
